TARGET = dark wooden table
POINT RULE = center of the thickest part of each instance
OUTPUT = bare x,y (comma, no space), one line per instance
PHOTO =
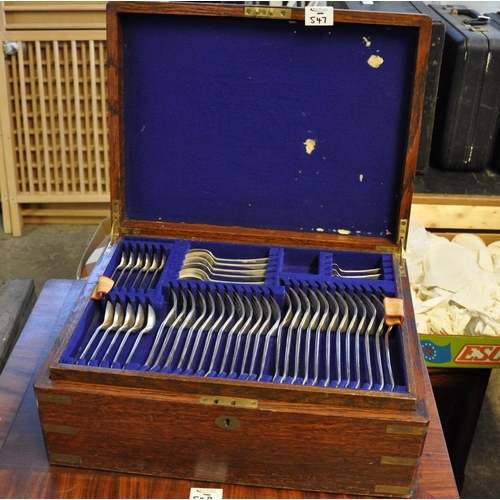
26,473
459,395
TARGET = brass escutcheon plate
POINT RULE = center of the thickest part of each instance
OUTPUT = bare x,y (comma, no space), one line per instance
227,422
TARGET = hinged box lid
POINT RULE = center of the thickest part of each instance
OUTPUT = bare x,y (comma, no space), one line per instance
256,129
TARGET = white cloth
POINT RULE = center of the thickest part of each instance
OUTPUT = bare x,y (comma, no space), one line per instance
455,284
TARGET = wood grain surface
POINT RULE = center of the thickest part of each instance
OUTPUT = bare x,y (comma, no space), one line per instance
26,473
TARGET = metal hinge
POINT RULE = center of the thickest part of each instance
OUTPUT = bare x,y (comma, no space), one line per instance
116,229
401,245
402,236
268,12
115,220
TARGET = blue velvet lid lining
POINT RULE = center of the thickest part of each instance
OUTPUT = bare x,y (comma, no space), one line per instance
219,114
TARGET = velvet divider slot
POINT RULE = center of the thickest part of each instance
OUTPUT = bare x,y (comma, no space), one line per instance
138,265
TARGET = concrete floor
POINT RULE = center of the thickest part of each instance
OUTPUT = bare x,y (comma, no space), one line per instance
44,252
482,474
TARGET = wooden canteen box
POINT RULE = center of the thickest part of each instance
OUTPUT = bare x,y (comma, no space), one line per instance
242,131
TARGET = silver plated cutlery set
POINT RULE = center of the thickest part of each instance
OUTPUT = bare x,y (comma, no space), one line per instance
218,317
321,336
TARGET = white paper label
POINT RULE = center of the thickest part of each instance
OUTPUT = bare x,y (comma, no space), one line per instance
319,16
205,494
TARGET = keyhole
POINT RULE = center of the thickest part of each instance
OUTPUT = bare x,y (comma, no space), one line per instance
227,422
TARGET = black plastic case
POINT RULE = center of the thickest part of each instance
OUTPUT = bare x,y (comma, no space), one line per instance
469,93
433,67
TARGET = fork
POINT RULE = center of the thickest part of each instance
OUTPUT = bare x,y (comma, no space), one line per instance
356,273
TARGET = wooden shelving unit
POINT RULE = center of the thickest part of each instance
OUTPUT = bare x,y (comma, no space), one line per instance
53,113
